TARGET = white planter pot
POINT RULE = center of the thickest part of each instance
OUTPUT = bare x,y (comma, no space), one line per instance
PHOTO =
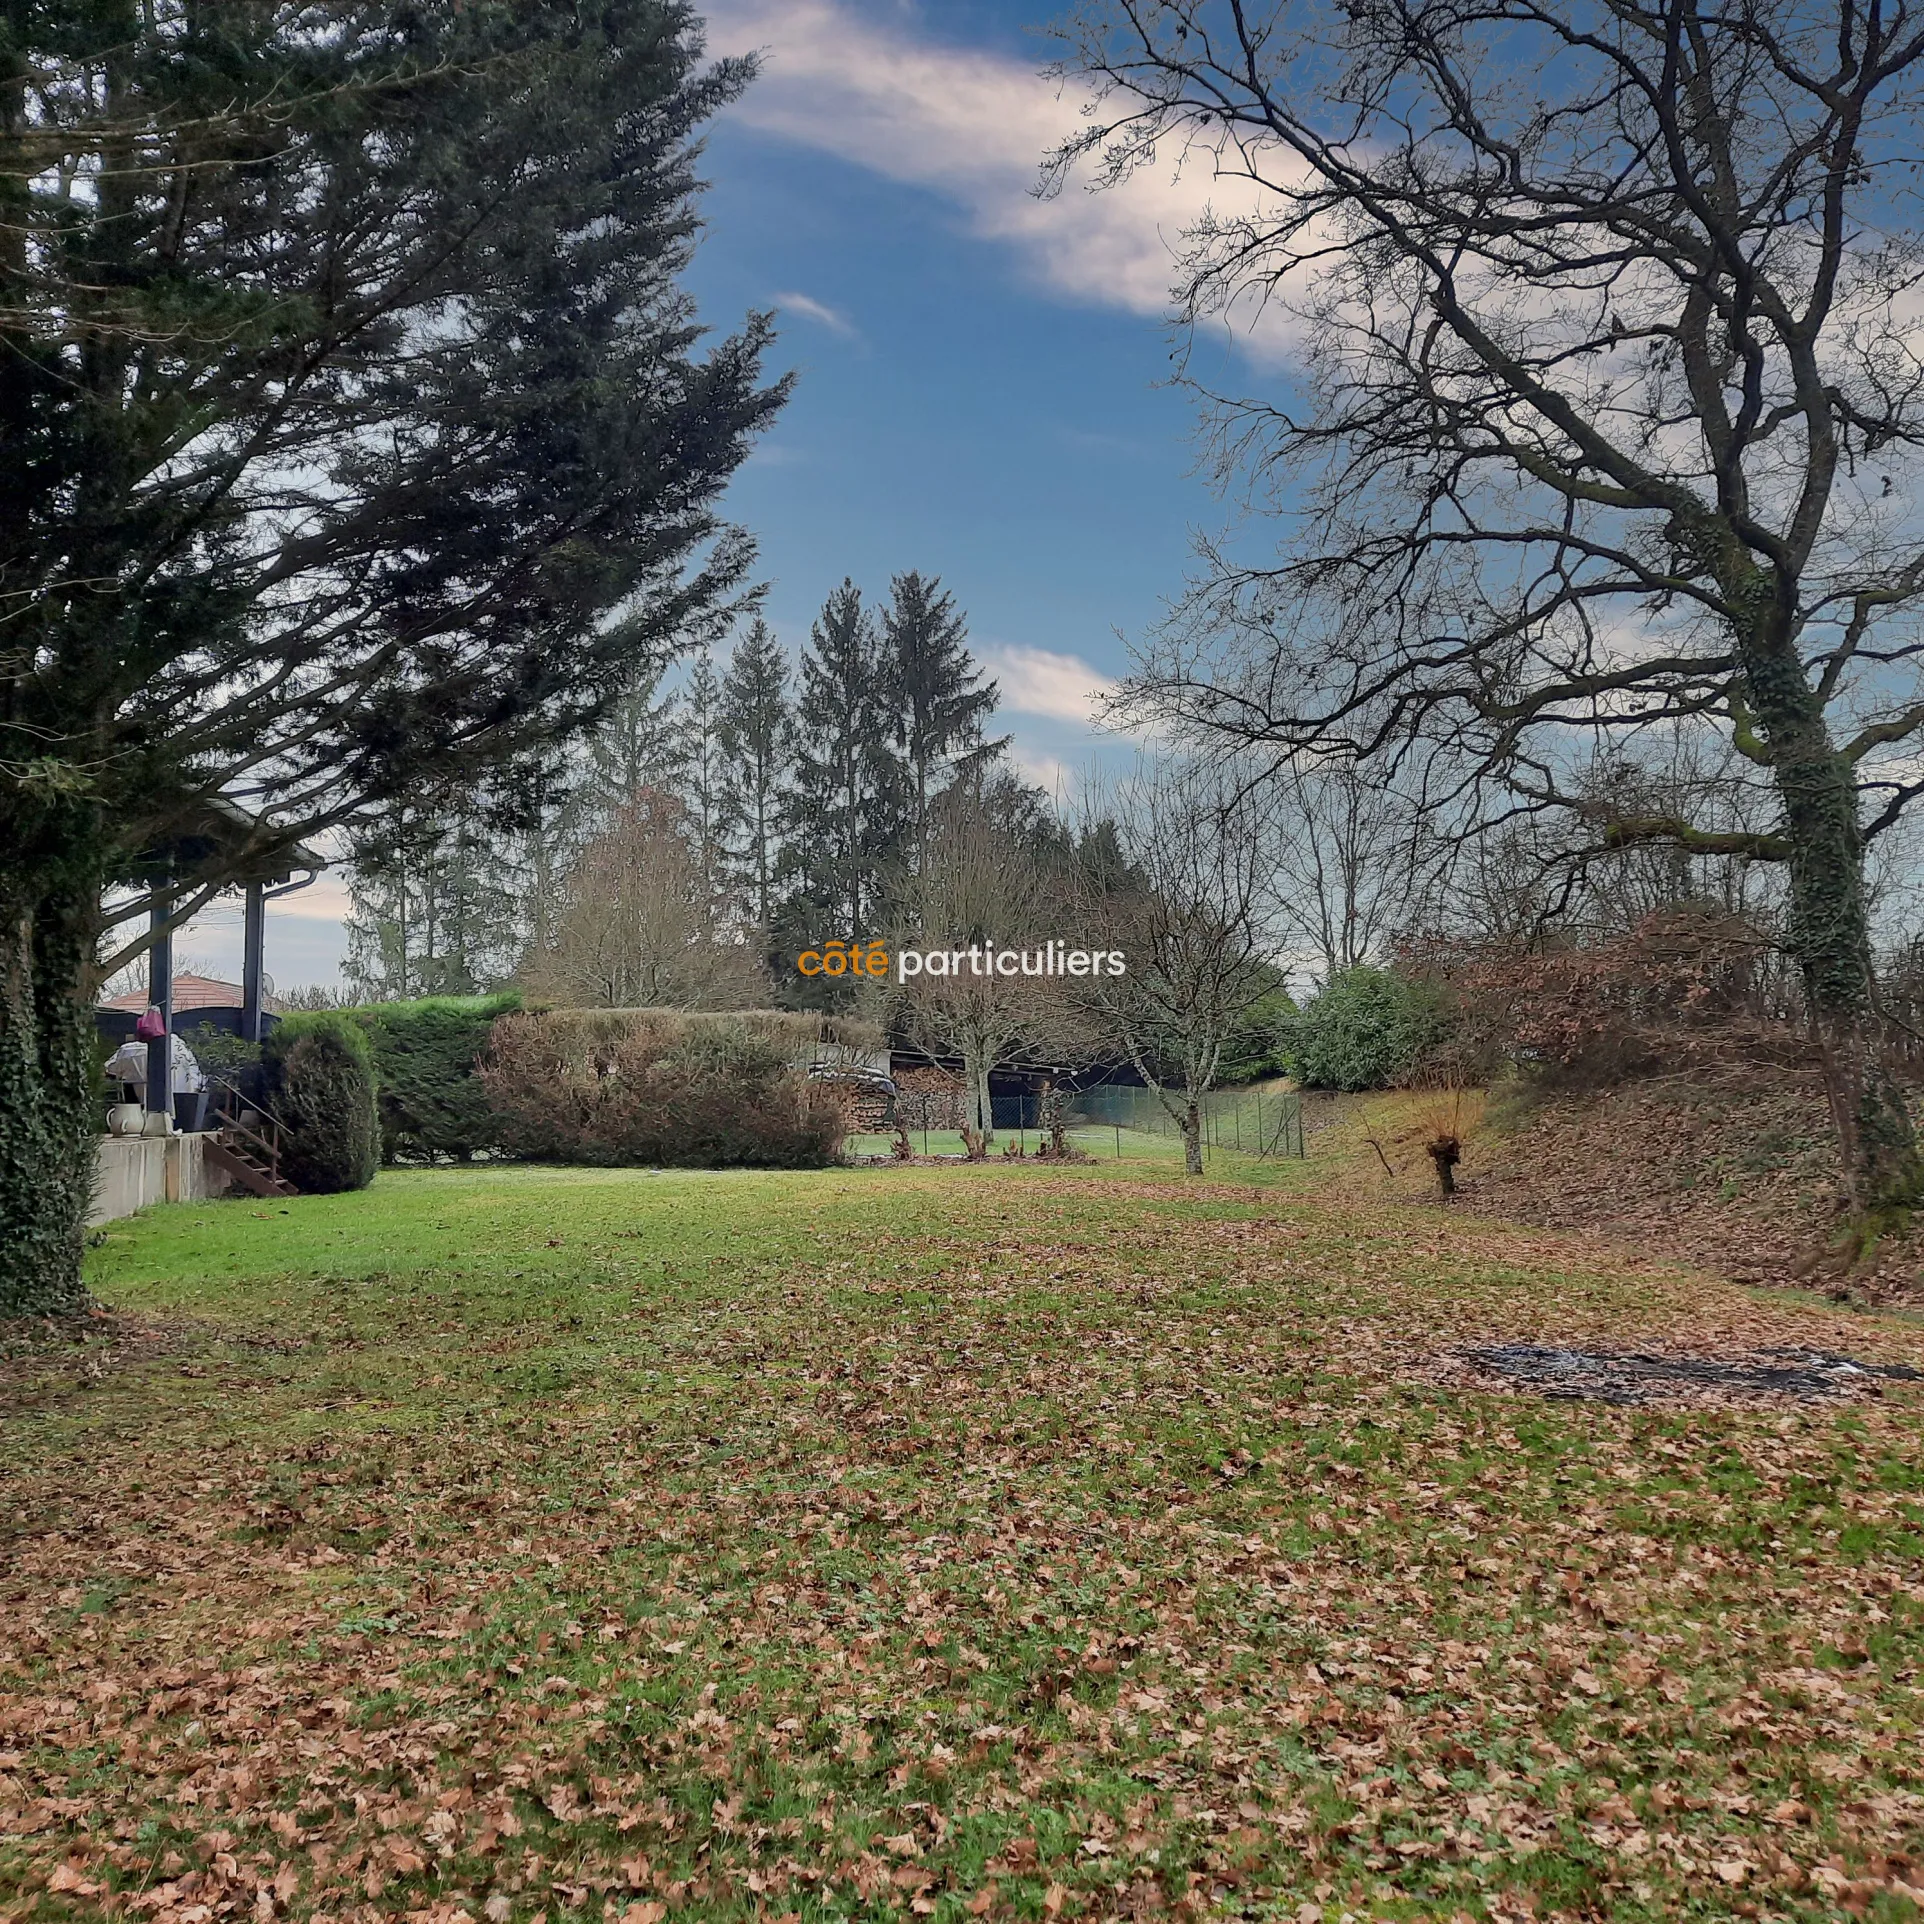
158,1123
126,1119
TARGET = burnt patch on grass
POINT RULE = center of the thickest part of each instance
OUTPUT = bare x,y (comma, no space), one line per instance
1604,1376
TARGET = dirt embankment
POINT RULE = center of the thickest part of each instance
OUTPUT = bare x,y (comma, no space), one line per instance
1733,1172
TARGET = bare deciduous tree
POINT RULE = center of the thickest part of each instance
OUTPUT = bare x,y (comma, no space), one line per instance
1193,929
1349,859
642,926
1612,367
982,887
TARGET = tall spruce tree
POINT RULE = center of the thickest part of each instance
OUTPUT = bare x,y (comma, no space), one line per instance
756,734
940,701
433,908
844,811
360,440
638,745
698,730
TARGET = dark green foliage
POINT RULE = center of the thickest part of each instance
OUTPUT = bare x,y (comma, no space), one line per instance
939,696
660,1089
432,1102
1364,1029
50,1112
435,910
321,1087
220,1052
362,445
844,808
756,737
1258,1043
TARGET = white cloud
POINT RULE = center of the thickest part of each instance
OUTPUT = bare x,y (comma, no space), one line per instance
1046,771
1035,681
973,126
814,310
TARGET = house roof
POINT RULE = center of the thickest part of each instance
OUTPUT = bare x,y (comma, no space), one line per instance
192,992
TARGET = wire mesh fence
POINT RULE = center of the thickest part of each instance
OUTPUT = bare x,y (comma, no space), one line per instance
1251,1122
1114,1119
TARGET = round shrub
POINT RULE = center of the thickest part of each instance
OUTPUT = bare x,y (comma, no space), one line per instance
1364,1029
320,1078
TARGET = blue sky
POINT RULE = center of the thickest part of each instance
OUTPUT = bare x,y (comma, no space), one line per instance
976,403
982,376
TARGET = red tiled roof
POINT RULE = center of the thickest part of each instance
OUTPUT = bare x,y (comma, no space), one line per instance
192,992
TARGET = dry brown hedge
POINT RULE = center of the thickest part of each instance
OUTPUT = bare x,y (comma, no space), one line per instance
660,1088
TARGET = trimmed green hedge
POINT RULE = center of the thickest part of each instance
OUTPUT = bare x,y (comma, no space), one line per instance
321,1082
432,1103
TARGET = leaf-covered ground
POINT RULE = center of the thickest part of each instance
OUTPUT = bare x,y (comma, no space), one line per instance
937,1542
1734,1170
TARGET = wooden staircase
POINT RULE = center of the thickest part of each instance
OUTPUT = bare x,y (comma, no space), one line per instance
249,1152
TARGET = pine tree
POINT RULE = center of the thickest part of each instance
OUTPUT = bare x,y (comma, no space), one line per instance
638,745
939,700
698,732
361,440
756,734
433,910
559,819
844,809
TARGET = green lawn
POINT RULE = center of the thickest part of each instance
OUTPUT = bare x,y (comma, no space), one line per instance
936,1541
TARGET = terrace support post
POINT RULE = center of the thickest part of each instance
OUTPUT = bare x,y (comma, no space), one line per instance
253,946
160,994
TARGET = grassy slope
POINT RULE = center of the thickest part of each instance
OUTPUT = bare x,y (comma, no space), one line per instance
1000,1540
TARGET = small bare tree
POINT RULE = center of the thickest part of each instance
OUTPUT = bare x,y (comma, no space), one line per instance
1612,382
1200,844
983,889
642,924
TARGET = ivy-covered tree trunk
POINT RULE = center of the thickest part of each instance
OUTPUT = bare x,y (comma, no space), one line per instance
49,1128
1829,932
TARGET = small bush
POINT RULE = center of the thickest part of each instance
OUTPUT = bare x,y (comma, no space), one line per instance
1682,990
658,1089
229,1059
321,1084
427,1054
1364,1029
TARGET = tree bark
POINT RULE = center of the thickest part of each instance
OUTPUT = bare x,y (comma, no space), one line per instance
1192,1155
49,1128
1829,932
984,1103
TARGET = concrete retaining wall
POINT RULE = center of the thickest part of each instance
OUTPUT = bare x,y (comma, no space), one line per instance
132,1171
